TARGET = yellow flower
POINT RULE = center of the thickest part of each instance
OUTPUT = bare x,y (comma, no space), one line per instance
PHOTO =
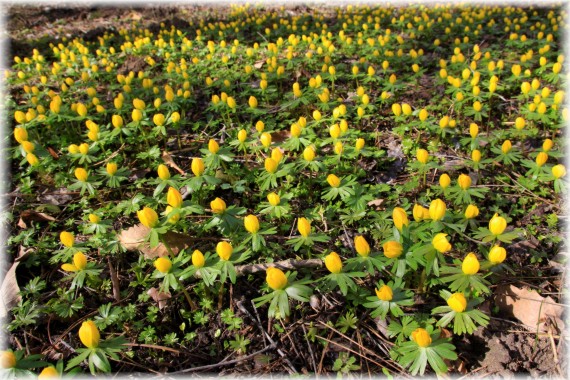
497,254
252,101
392,249
213,146
338,148
397,109
273,199
218,206
66,239
175,217
470,264
259,126
49,373
422,155
519,123
163,172
440,243
276,279
242,135
476,155
361,246
295,130
444,180
173,197
79,263
32,159
175,117
541,159
457,302
419,213
265,139
148,217
385,293
224,250
197,166
497,224
117,121
304,227
251,224
81,174
333,180
84,148
7,359
136,115
81,110
198,259
89,334
359,144
270,165
471,212
406,109
400,218
547,145
437,209
20,134
276,155
506,147
111,168
558,171
423,115
309,153
473,130
317,115
20,117
464,181
158,119
94,218
333,262
421,337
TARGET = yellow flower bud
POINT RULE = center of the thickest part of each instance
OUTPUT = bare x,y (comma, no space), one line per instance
163,264
66,239
89,334
470,264
270,165
437,209
309,153
541,159
7,359
49,373
397,109
231,102
175,216
94,218
440,243
359,144
136,115
361,246
273,199
175,117
213,146
304,227
333,262
392,249
423,115
338,148
20,134
400,218
83,148
457,302
197,166
421,337
333,180
473,130
81,110
476,155
148,217
444,180
198,259
520,123
173,197
252,101
464,181
163,172
497,254
547,145
420,213
506,147
422,156
497,224
334,131
158,119
276,155
558,171
471,212
406,109
81,174
218,206
242,135
259,126
276,279
139,104
385,293
265,139
525,88
224,250
251,224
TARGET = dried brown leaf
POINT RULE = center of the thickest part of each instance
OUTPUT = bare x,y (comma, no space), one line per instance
376,202
159,297
10,291
167,158
134,239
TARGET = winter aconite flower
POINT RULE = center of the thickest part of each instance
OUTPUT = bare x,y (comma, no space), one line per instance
79,263
400,218
333,262
251,224
392,249
497,254
224,250
213,146
385,293
471,212
163,264
163,172
421,337
497,224
541,158
444,180
111,168
66,239
49,372
7,359
89,334
558,171
197,166
440,243
361,246
148,217
265,139
419,212
275,278
81,174
464,181
218,206
304,227
270,165
273,199
333,180
422,156
470,264
173,197
309,153
437,209
198,259
457,302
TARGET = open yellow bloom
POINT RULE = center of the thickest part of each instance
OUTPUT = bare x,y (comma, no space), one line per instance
361,246
497,224
89,334
470,264
392,249
457,302
437,209
197,166
198,259
333,262
304,227
497,254
385,293
251,224
440,243
163,264
333,180
79,263
173,197
224,250
421,337
275,278
218,206
400,218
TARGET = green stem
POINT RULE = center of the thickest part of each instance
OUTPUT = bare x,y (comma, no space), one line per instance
191,303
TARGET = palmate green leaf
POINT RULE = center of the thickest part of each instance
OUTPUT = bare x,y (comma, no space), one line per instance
83,354
299,292
435,361
98,359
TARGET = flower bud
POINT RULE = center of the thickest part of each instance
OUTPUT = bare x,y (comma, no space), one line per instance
148,217
175,216
361,246
242,135
197,166
213,146
497,254
111,168
547,145
304,227
497,224
295,130
81,174
476,155
421,337
334,131
83,148
89,334
117,121
420,213
519,123
218,206
49,372
66,238
457,302
333,180
94,218
259,126
173,197
422,156
273,199
397,109
359,144
338,148
158,119
558,171
275,278
309,153
251,224
470,264
7,359
444,180
471,212
385,293
224,250
252,101
400,218
473,130
163,264
541,159
265,139
163,172
392,249
270,165
20,134
333,262
437,209
198,259
464,181
506,147
440,243
276,155
32,159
